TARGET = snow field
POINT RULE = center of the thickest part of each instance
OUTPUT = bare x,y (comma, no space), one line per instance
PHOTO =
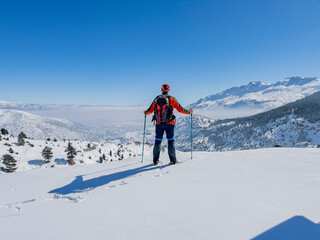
225,195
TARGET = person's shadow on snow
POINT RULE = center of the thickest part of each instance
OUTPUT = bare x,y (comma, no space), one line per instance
79,185
295,228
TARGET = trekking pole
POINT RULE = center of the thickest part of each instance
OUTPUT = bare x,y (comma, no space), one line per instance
191,136
144,133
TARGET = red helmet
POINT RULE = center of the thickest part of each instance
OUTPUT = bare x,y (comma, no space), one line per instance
165,88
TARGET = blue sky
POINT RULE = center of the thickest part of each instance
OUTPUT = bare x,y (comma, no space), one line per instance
120,52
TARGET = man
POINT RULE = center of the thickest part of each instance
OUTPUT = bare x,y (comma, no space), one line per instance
163,106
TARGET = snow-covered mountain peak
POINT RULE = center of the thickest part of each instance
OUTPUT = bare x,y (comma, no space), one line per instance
297,81
258,83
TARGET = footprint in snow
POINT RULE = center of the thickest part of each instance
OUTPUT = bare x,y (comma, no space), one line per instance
9,211
17,206
161,174
68,198
116,185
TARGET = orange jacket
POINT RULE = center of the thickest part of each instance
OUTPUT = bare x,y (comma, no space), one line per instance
172,102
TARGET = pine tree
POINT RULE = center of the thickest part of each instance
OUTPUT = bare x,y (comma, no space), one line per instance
9,162
11,150
71,152
22,135
21,138
47,154
104,157
100,160
4,131
0,138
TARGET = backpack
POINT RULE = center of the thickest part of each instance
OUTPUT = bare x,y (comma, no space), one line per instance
163,112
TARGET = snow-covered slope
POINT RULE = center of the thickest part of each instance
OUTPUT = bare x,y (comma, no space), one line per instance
29,155
226,195
261,95
38,127
296,124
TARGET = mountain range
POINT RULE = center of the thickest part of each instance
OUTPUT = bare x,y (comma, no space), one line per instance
38,127
261,95
295,124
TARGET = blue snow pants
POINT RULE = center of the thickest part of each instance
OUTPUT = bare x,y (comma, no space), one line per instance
160,129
